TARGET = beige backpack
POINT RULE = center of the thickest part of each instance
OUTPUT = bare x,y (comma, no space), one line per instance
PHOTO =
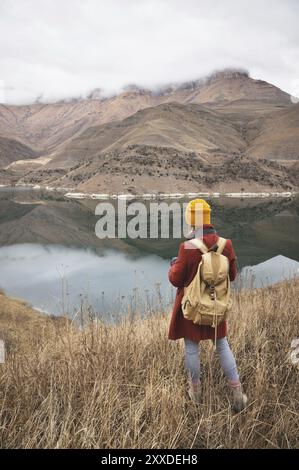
207,298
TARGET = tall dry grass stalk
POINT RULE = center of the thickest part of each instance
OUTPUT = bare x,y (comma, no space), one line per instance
124,386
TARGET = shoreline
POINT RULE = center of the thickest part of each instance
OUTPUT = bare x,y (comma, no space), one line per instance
154,196
70,193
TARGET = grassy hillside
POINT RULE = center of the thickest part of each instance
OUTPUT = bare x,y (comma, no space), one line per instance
124,386
22,328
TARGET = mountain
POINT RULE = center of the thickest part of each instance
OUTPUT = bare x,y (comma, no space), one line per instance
45,126
276,136
187,128
12,150
150,169
221,120
228,86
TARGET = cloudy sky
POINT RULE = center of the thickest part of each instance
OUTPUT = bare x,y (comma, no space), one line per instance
56,49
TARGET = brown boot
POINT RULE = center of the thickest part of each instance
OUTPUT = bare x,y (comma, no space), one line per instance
194,391
239,398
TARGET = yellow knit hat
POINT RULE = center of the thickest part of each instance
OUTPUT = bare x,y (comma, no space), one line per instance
198,212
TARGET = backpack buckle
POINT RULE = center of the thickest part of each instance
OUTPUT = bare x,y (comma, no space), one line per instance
212,291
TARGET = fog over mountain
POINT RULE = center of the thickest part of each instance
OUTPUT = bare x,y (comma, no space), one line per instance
53,50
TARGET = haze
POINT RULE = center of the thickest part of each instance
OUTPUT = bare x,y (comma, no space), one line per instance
54,50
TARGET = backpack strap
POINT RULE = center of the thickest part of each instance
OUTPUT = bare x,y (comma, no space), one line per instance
199,244
221,242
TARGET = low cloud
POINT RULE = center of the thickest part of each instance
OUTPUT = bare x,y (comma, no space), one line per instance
59,49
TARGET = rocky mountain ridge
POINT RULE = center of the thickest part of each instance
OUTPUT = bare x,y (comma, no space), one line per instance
209,121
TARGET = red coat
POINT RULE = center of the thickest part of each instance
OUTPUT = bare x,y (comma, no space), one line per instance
180,275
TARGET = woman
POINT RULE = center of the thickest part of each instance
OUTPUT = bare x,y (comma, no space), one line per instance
181,272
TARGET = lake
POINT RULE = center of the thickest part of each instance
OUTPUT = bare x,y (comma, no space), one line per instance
51,257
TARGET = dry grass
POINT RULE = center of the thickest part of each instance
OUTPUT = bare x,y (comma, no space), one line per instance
124,386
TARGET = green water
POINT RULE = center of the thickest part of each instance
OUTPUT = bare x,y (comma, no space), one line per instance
48,249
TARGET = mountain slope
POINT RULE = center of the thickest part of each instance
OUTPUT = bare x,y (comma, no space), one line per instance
277,136
45,127
228,86
187,128
12,150
222,129
140,169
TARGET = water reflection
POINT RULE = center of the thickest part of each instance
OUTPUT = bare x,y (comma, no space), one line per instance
58,279
50,256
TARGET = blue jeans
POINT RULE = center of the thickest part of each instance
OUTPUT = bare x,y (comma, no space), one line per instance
227,360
